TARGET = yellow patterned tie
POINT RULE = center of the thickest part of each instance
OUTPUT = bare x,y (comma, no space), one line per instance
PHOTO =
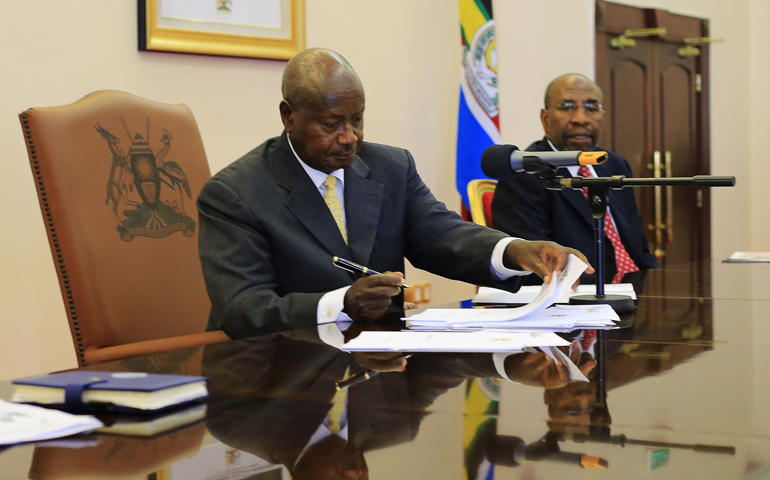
338,406
330,197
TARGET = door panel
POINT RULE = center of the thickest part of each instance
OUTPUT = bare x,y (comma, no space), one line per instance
651,104
677,137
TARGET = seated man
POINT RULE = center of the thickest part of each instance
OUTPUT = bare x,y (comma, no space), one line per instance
271,222
572,120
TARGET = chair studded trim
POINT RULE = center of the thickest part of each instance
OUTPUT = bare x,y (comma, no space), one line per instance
71,311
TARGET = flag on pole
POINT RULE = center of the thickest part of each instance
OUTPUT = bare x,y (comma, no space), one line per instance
478,124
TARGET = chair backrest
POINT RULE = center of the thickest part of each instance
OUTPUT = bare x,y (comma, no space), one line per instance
117,178
480,194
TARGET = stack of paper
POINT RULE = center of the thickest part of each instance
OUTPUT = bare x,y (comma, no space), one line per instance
528,293
560,318
27,423
482,341
533,316
748,257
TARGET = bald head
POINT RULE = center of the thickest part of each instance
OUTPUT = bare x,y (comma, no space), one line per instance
573,116
566,79
312,73
323,109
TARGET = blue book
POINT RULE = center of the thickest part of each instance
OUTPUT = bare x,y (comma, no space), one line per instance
110,391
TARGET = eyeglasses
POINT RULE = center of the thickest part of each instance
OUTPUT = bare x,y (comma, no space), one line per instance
591,108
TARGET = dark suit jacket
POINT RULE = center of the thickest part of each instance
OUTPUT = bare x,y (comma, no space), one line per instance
267,237
523,207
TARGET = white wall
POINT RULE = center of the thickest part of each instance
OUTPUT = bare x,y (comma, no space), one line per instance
407,54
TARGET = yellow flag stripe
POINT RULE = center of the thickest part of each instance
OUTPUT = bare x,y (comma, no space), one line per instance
471,18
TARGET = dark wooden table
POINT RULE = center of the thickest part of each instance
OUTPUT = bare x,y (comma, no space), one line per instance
688,380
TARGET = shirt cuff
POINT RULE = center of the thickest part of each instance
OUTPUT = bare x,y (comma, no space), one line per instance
498,269
330,306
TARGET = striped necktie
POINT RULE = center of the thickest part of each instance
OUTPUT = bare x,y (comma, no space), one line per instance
338,407
330,197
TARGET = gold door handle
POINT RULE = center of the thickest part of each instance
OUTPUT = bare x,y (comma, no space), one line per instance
659,250
669,201
625,41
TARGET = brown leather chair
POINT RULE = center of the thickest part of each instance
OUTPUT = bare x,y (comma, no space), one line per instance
117,177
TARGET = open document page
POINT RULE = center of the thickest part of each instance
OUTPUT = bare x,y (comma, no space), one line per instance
28,423
535,315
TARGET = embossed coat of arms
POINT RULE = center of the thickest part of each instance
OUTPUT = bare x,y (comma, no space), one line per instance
145,192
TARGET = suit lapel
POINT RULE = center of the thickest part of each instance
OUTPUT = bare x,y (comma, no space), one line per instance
305,202
363,201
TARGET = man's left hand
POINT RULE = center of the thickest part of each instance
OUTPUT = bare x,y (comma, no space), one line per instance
540,257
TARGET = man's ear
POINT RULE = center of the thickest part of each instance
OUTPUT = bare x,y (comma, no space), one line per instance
287,115
544,119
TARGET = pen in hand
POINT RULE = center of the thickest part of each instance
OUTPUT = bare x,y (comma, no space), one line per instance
359,377
356,268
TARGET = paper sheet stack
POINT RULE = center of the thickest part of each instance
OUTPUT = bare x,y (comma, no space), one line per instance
535,316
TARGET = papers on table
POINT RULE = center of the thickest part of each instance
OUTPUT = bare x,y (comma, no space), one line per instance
533,316
27,423
481,341
528,293
748,257
560,318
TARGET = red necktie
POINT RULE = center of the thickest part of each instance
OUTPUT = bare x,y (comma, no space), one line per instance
623,260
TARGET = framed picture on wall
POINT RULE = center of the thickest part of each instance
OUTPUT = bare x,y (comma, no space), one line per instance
272,29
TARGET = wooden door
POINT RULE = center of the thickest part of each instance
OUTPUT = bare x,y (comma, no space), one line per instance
656,116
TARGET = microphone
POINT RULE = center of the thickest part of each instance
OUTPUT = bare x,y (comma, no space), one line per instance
500,161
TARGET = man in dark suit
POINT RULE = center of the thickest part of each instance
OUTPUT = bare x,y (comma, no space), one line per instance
271,222
572,120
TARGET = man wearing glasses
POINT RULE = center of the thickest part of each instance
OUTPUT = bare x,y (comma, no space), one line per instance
572,120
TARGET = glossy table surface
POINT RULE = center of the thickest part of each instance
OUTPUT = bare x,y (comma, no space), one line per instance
683,392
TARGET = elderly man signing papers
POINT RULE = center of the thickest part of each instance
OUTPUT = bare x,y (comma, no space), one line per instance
271,222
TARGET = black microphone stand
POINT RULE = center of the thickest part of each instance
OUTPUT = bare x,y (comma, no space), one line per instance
598,200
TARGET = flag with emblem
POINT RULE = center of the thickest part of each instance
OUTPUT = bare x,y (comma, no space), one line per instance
478,125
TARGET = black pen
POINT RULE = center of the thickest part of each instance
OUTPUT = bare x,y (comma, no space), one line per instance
356,268
357,378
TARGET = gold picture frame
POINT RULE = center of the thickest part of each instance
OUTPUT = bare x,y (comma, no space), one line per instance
274,29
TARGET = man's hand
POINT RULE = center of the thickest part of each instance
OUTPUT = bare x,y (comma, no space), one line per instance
540,370
369,297
540,257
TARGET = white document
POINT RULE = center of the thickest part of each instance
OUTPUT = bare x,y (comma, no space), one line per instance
548,294
748,257
559,318
528,293
533,316
481,341
28,423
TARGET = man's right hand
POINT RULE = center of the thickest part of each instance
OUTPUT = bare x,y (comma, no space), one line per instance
369,297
